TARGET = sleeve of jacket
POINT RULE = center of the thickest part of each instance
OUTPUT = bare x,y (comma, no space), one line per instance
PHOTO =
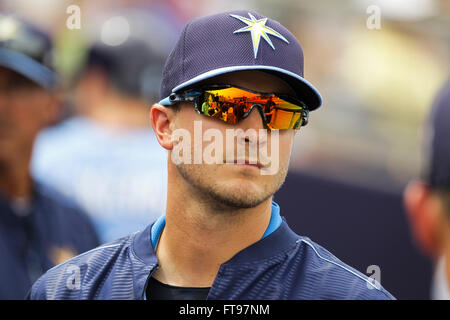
37,291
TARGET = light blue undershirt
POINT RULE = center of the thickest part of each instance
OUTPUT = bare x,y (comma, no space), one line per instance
275,222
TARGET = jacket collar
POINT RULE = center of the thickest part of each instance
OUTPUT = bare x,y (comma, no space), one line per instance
275,222
277,238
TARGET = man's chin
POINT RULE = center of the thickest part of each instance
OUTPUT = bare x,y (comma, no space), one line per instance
229,189
240,194
239,201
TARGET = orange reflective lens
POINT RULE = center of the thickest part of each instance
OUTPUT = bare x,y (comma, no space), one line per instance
233,104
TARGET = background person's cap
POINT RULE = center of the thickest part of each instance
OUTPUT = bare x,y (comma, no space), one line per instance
132,67
26,50
234,41
438,171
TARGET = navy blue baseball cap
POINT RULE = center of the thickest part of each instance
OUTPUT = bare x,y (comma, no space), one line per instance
235,41
26,50
438,173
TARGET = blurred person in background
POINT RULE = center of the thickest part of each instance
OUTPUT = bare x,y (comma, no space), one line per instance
38,227
427,200
106,158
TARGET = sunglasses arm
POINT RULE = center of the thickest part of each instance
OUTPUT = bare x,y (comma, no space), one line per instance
305,117
190,96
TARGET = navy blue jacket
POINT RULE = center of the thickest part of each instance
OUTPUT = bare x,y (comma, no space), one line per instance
36,238
282,265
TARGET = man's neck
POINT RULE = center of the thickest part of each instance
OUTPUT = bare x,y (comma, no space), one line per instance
15,181
197,239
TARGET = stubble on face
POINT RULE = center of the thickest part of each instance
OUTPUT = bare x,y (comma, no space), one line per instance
233,193
226,188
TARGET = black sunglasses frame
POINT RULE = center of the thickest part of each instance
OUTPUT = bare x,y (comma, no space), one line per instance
193,95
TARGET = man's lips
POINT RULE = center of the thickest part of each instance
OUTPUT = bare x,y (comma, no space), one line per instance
249,162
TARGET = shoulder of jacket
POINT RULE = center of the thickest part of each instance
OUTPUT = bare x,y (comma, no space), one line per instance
68,279
337,276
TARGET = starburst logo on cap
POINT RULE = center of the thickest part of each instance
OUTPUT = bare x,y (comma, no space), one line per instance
258,29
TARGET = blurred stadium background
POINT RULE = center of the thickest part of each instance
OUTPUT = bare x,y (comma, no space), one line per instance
352,161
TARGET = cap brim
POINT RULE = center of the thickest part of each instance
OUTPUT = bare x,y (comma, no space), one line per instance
305,90
28,67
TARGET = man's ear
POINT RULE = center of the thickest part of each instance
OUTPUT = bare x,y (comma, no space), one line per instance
424,211
161,119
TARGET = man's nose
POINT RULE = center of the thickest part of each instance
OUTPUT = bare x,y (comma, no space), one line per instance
254,120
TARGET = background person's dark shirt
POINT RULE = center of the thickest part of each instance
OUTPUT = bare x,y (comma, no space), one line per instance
35,238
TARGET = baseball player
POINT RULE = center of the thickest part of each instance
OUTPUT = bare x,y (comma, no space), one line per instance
427,199
222,236
38,227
